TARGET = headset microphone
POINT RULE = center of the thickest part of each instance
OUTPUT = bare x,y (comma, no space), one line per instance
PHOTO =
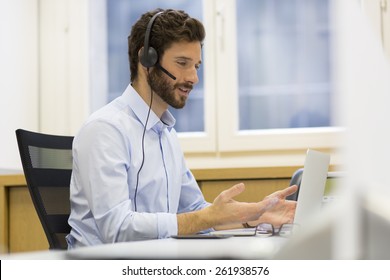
165,71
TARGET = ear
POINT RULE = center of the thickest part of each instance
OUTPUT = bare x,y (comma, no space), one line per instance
140,52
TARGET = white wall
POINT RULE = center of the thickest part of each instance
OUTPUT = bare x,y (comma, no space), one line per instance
64,65
18,75
44,69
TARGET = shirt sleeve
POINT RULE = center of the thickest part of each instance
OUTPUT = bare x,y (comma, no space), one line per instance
191,197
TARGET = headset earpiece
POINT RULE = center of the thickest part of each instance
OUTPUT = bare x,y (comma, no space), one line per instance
150,58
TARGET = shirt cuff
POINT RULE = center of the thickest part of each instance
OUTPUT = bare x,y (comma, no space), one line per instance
166,225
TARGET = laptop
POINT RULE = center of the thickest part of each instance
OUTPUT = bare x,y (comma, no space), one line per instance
311,191
312,187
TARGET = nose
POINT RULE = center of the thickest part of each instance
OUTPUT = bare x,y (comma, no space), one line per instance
192,76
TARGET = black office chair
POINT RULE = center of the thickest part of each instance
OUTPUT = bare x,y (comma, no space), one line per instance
47,166
296,179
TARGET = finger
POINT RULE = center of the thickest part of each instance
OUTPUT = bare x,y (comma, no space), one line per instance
288,191
285,192
228,194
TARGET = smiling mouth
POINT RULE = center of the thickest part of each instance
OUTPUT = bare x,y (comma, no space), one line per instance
185,90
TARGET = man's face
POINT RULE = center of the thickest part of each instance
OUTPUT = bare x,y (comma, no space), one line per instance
182,60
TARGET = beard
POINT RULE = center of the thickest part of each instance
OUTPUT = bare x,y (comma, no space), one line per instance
160,85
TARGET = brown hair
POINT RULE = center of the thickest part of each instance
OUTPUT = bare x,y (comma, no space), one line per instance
169,27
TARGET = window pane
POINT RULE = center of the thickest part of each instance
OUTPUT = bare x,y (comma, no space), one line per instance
284,63
121,15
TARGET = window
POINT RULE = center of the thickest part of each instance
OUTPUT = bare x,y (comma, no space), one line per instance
283,64
265,84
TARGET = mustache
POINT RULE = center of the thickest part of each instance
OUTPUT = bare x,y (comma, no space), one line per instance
188,86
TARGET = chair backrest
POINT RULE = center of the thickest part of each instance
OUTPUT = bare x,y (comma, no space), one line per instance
47,166
296,179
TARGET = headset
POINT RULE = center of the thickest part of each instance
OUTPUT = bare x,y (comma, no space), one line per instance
149,55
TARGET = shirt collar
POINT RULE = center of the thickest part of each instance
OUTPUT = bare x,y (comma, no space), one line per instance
141,108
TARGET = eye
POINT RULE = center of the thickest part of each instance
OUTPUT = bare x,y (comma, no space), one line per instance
182,63
197,66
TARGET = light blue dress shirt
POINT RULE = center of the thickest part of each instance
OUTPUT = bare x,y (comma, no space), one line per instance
107,154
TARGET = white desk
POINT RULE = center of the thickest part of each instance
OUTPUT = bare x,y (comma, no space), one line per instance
229,248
